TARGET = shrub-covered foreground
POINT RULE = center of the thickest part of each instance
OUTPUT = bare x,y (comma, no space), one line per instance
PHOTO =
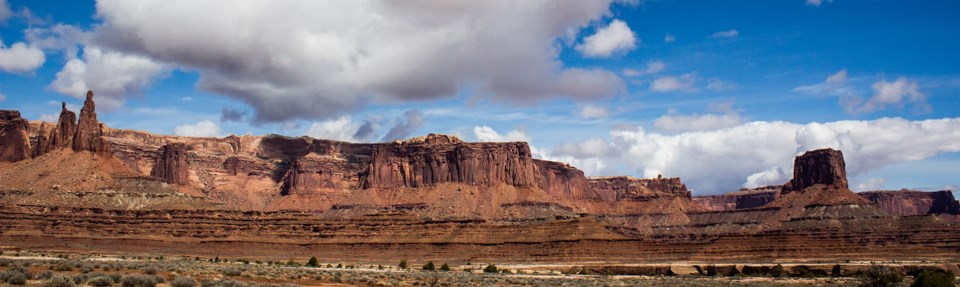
196,272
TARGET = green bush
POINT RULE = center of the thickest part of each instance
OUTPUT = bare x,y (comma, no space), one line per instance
100,281
429,266
444,267
313,262
938,278
64,266
183,282
403,264
150,270
231,271
59,281
17,279
779,271
490,269
880,276
138,280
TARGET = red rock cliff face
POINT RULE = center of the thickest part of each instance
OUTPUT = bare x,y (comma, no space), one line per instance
911,203
743,199
440,159
617,188
822,166
172,165
563,180
89,134
14,142
310,177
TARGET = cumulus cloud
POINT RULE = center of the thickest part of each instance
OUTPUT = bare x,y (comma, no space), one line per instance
684,83
341,129
112,76
669,38
870,184
675,122
20,58
488,134
5,11
205,128
309,59
232,115
761,153
653,67
896,93
613,39
725,34
403,127
593,112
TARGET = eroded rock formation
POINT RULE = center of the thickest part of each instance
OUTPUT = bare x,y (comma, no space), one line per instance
822,166
62,134
172,165
617,188
89,133
14,139
439,159
912,203
742,199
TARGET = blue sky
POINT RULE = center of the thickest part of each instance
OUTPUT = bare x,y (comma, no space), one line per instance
720,94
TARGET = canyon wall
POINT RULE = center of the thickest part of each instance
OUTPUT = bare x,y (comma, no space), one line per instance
14,141
913,203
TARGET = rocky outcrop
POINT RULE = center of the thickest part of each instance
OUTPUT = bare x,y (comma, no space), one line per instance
172,165
743,199
62,134
438,159
14,139
822,166
41,144
563,180
89,134
618,188
912,203
310,178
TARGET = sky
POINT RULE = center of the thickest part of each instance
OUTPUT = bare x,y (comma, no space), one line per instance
721,94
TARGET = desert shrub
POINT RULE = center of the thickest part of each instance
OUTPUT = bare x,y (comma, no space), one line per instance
116,277
45,275
59,281
138,280
183,282
755,270
64,265
779,271
17,279
231,271
5,262
100,281
934,278
86,267
490,269
403,264
444,267
836,271
880,276
150,270
313,262
222,283
429,266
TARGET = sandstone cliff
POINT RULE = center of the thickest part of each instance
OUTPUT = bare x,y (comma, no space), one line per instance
743,199
172,165
62,134
913,203
14,141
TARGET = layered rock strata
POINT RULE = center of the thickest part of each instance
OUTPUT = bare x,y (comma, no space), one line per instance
172,165
913,203
14,139
822,166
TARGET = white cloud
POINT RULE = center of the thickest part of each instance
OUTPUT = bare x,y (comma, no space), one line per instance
612,39
593,112
488,134
837,78
341,129
669,38
817,2
112,76
698,122
870,184
310,59
683,83
896,93
725,34
204,128
653,67
49,117
3,97
187,99
761,153
5,11
20,58
718,85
